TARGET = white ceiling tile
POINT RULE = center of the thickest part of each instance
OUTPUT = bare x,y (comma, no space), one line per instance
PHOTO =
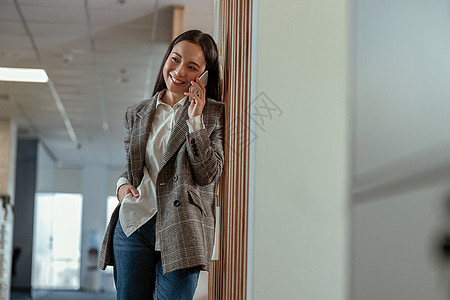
14,28
60,31
14,42
8,11
54,15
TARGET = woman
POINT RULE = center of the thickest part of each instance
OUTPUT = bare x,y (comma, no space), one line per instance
162,233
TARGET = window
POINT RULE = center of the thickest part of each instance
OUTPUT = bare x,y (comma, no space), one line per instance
111,203
57,240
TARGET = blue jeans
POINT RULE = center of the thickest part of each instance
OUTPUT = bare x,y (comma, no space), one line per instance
138,270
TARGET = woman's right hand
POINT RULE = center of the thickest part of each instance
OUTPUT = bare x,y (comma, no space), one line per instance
125,189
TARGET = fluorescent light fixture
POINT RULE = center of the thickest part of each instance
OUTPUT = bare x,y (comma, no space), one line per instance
23,75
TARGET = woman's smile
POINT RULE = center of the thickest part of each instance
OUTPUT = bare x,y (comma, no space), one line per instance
176,81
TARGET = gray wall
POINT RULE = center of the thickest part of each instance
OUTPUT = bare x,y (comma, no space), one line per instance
401,69
396,241
24,211
401,149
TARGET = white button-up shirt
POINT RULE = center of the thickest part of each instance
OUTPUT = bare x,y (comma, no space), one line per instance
135,212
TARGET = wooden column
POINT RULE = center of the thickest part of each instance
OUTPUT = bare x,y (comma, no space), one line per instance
177,20
228,276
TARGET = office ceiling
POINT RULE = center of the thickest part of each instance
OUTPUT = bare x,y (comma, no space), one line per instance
100,55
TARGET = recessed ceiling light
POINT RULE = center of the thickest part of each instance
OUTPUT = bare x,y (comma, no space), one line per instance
23,75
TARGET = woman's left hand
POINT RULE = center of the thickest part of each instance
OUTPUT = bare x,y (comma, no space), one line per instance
197,100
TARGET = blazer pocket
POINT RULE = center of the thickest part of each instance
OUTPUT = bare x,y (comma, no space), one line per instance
195,199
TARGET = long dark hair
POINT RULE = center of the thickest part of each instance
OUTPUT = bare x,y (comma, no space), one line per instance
209,47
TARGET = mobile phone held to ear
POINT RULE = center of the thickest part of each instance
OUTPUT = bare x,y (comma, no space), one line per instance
203,79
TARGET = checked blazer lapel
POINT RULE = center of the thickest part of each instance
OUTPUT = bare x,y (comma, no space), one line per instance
142,125
178,135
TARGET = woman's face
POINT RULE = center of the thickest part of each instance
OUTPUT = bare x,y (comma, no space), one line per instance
184,64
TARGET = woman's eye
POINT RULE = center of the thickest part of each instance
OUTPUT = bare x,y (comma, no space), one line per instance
174,59
192,68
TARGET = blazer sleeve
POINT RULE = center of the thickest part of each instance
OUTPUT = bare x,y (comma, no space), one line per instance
205,150
128,122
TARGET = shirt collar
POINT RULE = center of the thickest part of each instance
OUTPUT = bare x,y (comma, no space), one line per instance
176,105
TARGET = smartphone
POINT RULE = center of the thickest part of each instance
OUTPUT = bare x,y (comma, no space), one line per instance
203,79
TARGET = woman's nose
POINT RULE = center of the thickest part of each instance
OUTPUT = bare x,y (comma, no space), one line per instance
180,71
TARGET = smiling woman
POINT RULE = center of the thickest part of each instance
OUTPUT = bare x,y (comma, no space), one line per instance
166,194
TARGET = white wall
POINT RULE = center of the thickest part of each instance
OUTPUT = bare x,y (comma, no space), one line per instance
402,149
300,242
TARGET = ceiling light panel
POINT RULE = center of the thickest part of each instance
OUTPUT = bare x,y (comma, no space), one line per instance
53,3
23,75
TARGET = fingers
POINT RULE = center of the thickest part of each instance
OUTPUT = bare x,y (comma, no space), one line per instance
193,96
127,189
199,85
196,96
198,88
134,191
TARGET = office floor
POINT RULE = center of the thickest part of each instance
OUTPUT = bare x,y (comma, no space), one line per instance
201,293
62,295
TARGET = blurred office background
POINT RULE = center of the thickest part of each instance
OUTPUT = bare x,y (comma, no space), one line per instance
400,206
350,188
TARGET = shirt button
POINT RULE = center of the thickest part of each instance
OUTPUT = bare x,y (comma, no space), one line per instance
175,178
176,203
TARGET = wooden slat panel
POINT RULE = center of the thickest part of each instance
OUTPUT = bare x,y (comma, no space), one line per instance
228,275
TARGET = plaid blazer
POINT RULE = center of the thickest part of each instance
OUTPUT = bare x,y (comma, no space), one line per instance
185,186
